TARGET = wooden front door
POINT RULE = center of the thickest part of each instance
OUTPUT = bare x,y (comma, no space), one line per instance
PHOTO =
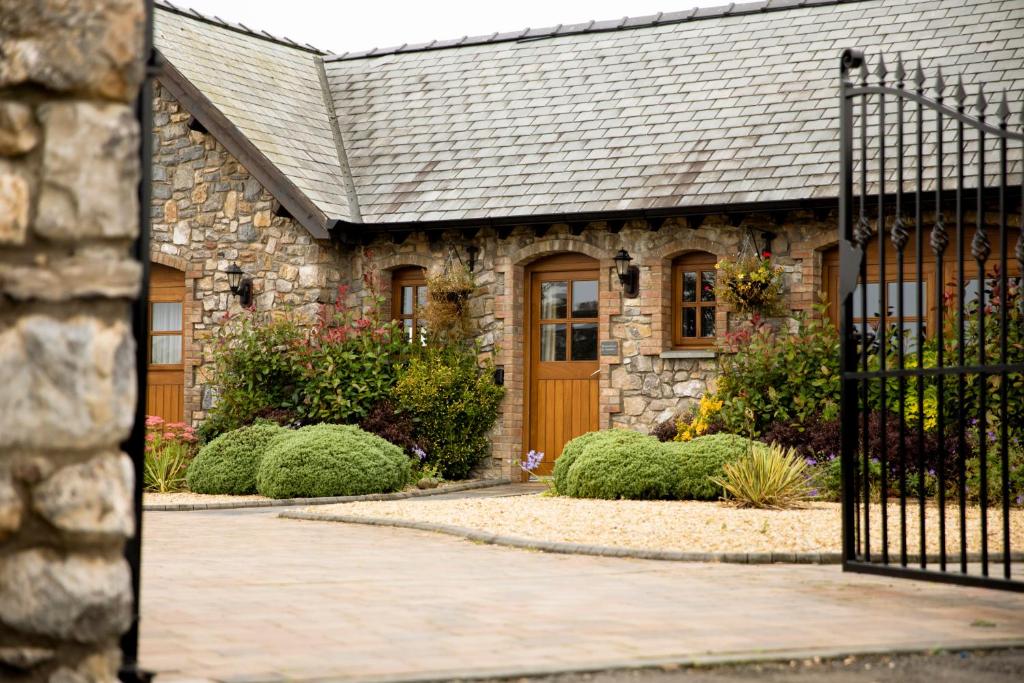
165,376
562,351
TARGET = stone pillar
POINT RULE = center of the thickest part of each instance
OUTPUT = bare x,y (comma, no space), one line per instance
69,173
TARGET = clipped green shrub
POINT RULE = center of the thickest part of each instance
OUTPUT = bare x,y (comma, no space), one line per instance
574,447
703,458
228,463
637,469
331,460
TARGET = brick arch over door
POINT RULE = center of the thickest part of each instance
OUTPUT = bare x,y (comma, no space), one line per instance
508,438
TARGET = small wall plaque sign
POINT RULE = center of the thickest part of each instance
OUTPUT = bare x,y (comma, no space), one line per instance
609,347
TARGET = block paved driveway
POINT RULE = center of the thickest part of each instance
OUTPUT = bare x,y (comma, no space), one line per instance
245,596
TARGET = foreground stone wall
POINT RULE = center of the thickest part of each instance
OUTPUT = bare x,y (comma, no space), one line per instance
68,214
647,381
209,212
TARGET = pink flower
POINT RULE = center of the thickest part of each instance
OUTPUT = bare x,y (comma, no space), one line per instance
154,420
169,435
150,437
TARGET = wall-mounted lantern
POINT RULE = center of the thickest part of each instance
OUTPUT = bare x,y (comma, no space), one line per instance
472,251
241,286
629,275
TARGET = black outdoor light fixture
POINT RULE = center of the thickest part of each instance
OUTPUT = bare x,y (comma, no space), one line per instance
472,250
629,275
241,286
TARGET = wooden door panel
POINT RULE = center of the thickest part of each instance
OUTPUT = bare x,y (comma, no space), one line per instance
165,382
563,394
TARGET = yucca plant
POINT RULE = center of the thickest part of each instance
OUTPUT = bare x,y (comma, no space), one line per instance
767,477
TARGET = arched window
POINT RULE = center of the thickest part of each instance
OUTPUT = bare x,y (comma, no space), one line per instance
693,300
408,296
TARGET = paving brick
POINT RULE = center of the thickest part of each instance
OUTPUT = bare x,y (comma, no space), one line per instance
245,594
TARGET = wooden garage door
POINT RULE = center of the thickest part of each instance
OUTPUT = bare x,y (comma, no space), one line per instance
563,353
165,378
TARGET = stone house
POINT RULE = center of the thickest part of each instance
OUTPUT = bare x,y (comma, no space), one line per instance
538,154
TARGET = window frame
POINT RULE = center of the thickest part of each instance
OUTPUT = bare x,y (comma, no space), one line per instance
409,276
698,262
158,297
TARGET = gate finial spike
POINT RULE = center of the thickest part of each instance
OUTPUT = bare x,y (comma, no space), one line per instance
880,70
940,83
981,103
919,77
901,73
1004,110
961,93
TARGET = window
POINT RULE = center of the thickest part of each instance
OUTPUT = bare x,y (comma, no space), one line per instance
408,297
693,300
568,320
927,315
165,333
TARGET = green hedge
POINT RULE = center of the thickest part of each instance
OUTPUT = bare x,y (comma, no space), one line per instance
574,447
703,458
228,463
623,467
331,460
619,463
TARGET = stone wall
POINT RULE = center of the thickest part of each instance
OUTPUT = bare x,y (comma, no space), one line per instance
647,381
209,212
68,215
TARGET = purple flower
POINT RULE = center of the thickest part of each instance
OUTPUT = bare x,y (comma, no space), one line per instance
814,493
419,453
532,462
810,461
931,473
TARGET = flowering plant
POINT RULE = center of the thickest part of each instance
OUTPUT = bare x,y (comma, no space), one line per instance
169,450
701,420
532,462
749,284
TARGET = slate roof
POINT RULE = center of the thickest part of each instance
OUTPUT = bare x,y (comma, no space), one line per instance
269,89
730,105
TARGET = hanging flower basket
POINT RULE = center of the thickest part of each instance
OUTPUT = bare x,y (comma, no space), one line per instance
750,284
452,285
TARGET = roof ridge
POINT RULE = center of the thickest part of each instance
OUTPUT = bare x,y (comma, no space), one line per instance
592,26
239,28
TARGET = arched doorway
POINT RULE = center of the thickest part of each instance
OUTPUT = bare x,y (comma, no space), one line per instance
165,372
561,353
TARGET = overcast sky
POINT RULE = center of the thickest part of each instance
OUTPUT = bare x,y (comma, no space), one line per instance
352,25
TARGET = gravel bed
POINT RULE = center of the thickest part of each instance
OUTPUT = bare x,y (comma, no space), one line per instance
189,498
186,500
685,526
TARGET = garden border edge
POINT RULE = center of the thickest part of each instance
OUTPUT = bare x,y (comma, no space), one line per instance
288,502
573,548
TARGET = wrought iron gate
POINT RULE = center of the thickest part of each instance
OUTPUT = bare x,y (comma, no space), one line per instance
932,328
